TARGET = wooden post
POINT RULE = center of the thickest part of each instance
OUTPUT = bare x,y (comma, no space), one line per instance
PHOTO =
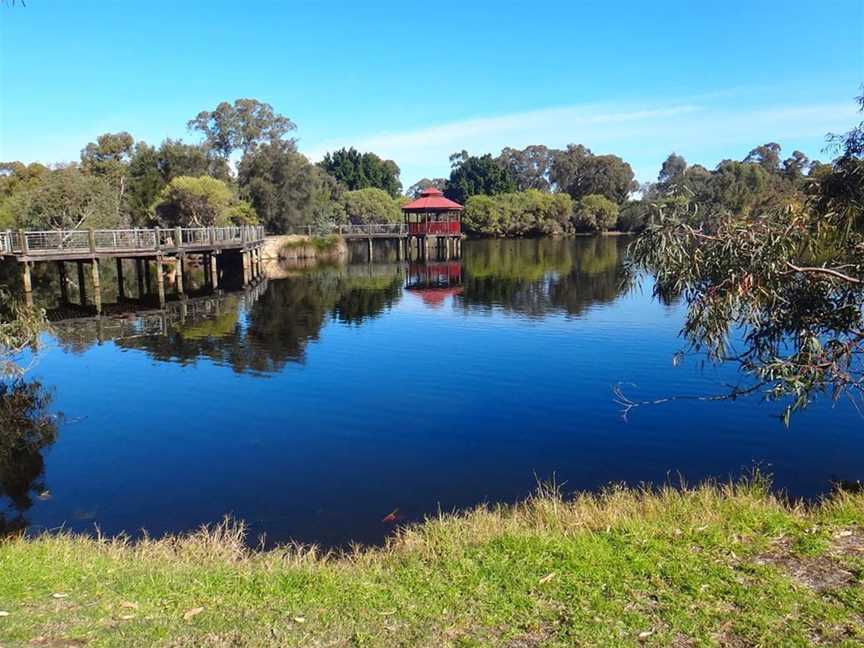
121,289
181,261
178,235
369,243
64,282
156,239
244,261
160,284
25,247
82,287
214,272
27,279
97,285
147,284
205,261
139,275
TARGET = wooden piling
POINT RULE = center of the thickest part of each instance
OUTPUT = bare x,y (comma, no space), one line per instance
160,283
26,278
121,289
97,285
64,282
139,276
214,272
178,273
82,287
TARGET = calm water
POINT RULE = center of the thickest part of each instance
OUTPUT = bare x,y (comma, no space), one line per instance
321,402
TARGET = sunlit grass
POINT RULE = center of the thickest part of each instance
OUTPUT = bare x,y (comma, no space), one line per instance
710,565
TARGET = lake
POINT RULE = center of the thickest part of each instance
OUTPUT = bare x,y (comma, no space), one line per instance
322,403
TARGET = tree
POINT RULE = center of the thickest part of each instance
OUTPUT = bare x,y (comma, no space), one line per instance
108,157
796,166
596,213
16,178
242,125
200,202
791,280
841,188
472,175
371,205
526,213
415,189
578,172
767,156
67,199
287,190
672,170
358,170
530,168
145,182
177,158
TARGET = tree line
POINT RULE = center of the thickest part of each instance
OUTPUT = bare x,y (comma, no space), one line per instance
245,168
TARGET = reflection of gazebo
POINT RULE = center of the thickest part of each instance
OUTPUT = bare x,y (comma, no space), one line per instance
433,282
433,216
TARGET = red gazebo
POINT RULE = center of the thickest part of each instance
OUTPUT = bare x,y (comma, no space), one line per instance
433,215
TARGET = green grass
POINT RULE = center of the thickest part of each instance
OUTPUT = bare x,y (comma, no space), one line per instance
318,243
708,566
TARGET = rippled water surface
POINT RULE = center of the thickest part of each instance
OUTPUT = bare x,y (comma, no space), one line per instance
319,403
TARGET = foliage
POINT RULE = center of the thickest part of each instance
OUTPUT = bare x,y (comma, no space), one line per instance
648,567
286,190
150,169
595,213
27,428
578,172
19,329
472,176
792,279
527,213
415,189
65,198
200,202
530,168
357,170
16,178
371,205
242,125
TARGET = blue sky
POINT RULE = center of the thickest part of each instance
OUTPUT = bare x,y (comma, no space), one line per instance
418,81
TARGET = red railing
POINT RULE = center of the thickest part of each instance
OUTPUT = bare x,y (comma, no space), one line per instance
434,228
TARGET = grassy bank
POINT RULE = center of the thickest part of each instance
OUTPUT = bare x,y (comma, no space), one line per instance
709,566
299,247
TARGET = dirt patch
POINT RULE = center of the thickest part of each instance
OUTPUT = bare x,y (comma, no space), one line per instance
819,573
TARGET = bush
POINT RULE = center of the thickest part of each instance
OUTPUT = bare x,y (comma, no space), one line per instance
201,202
595,213
371,205
526,213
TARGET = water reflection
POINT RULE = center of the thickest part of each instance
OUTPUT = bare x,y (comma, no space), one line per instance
263,328
27,430
542,276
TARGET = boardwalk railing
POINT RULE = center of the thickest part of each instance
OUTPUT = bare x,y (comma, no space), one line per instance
384,230
55,242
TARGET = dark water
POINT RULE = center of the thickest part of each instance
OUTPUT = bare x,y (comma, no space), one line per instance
321,402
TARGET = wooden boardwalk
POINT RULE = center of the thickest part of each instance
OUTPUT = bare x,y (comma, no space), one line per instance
71,245
238,247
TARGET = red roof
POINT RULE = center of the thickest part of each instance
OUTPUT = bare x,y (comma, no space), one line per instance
432,200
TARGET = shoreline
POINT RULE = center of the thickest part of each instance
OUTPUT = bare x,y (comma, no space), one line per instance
625,567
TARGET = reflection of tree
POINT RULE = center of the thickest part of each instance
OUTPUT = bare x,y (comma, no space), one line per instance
535,277
26,430
280,324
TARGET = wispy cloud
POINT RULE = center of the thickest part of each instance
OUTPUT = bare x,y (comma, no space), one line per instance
702,130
